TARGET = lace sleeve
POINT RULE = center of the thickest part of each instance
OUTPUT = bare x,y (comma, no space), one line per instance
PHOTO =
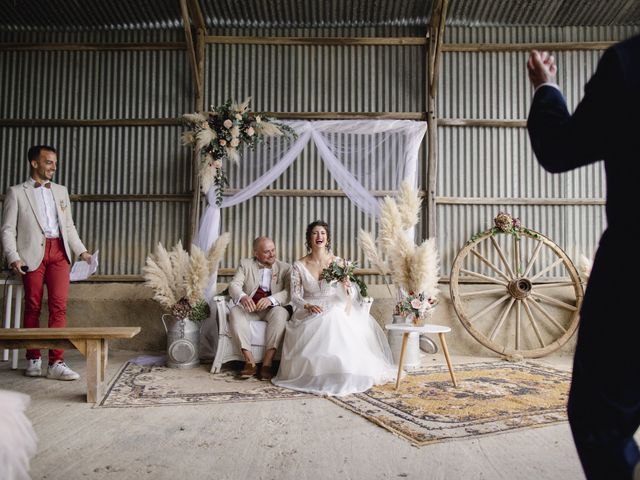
297,291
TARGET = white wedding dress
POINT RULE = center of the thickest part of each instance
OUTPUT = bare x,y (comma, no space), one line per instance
340,351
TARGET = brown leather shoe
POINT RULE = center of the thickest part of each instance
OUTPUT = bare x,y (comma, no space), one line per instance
248,371
266,373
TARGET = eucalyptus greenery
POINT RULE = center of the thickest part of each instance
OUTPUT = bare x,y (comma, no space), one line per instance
341,271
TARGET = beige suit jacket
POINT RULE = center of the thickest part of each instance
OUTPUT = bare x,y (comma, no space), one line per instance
23,226
247,280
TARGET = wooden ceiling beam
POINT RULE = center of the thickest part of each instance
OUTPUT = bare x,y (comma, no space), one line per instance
435,34
191,51
198,17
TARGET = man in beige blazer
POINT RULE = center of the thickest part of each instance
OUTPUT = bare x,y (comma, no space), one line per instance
38,236
259,290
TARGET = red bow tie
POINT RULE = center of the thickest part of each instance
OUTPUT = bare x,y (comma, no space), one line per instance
38,185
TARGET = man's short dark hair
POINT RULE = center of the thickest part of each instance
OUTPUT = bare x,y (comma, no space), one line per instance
34,152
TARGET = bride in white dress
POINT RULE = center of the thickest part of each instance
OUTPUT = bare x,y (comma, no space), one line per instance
332,346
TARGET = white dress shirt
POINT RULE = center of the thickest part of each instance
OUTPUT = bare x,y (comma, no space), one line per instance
47,206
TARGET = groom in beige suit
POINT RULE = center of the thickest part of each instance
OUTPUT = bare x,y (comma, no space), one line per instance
259,290
39,236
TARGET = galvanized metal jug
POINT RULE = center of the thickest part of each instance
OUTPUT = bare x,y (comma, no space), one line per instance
183,339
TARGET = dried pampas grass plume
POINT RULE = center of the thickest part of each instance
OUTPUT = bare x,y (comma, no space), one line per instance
584,267
268,129
233,155
204,137
180,265
243,106
207,175
188,138
370,250
409,199
194,118
390,223
368,246
426,269
159,277
216,252
198,276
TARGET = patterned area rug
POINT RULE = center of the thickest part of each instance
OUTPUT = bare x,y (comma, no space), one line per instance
149,385
491,398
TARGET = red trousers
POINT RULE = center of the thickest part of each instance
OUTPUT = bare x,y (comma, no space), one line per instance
54,272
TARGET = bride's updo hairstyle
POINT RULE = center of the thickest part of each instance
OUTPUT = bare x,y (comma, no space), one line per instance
310,227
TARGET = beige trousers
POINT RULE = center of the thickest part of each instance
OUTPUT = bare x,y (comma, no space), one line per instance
276,318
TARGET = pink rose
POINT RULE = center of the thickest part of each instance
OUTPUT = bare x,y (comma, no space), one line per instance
223,142
227,124
415,303
250,131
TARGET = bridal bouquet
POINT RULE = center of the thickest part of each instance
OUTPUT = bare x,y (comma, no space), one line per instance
220,133
343,271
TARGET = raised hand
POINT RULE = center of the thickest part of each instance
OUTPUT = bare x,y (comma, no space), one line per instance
542,68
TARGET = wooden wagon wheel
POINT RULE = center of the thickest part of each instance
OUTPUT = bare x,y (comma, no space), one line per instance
516,293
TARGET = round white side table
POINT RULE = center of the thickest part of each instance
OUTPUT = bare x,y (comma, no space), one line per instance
406,329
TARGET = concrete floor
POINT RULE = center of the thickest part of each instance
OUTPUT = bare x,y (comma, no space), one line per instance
288,439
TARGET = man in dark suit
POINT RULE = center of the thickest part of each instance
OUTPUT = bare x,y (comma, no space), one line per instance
604,402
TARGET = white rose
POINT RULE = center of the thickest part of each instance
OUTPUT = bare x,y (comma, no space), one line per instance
217,163
238,116
228,124
250,131
235,132
235,142
223,142
258,119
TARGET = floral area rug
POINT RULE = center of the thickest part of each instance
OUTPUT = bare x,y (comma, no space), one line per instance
149,385
492,397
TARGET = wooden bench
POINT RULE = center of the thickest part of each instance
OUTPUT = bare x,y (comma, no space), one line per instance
93,343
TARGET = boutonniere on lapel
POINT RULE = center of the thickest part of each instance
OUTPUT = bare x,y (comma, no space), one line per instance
63,205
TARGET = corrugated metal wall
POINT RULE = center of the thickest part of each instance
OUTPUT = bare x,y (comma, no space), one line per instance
473,161
497,162
118,160
312,79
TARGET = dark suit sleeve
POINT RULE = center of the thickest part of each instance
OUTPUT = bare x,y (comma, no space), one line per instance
562,141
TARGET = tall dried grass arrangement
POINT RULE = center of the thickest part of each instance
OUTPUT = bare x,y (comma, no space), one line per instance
413,268
179,280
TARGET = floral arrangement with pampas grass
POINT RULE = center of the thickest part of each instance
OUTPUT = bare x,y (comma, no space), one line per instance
179,279
414,269
220,133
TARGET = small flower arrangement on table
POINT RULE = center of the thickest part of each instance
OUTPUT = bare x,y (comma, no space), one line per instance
417,305
344,271
220,133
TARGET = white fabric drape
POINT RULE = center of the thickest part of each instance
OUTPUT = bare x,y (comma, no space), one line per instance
361,155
